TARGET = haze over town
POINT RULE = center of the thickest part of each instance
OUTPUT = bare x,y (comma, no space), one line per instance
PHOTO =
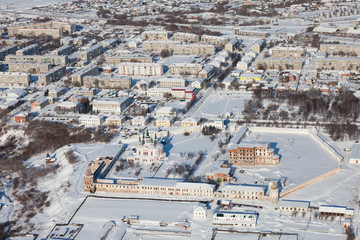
187,119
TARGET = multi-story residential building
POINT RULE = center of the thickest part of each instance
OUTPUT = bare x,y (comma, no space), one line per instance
109,43
252,153
29,67
341,49
147,151
56,92
63,50
287,52
91,120
110,107
107,82
78,77
114,60
232,45
194,49
279,63
32,49
236,219
51,59
86,92
251,33
52,28
337,63
219,41
155,35
89,53
186,37
185,68
159,45
7,51
171,82
258,46
51,76
14,79
141,69
208,71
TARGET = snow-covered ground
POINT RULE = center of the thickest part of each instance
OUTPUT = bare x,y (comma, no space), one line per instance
20,4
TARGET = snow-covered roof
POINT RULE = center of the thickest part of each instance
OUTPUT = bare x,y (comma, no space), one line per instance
243,188
294,203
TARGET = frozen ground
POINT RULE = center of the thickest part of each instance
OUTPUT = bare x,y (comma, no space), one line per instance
217,104
20,4
95,212
301,159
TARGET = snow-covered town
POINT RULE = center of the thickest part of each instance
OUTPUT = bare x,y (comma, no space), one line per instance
186,119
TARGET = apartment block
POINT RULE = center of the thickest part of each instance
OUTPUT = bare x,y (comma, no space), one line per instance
194,49
208,71
89,53
52,28
32,49
159,45
337,49
114,60
141,69
111,106
252,153
7,51
63,50
231,45
186,37
155,35
29,67
53,75
282,63
78,77
8,79
86,92
334,63
51,59
107,82
251,33
171,82
185,68
287,52
214,40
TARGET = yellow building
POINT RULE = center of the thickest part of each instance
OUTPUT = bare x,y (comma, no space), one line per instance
164,122
250,77
189,122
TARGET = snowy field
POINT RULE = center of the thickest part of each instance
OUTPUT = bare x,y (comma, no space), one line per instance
301,159
20,4
217,104
95,212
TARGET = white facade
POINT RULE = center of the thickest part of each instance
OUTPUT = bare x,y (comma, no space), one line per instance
140,69
200,212
237,219
91,120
